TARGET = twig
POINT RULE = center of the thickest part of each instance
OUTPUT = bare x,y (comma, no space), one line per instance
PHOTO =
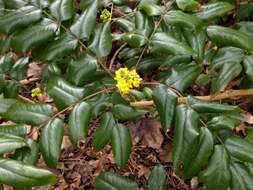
116,54
229,94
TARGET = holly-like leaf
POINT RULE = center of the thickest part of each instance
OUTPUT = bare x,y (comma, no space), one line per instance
18,174
150,9
14,129
51,140
62,9
9,143
111,181
165,104
79,120
157,179
188,5
223,122
121,144
19,69
103,133
248,67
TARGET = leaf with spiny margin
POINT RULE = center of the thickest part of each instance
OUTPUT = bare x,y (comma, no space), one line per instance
203,106
101,44
121,144
185,138
165,104
19,18
80,71
63,93
157,179
5,104
150,9
85,24
34,36
103,133
56,49
15,129
62,9
223,122
18,174
11,90
144,23
111,181
245,27
51,140
217,174
79,120
248,67
215,10
19,69
183,76
9,143
163,43
32,114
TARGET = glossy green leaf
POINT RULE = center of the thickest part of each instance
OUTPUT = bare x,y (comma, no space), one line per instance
120,2
80,71
165,104
18,174
125,24
19,69
32,114
203,106
150,9
240,148
199,159
48,71
11,90
58,48
99,104
19,18
214,10
79,120
85,24
181,19
144,23
101,44
248,67
6,62
157,179
5,104
136,38
124,112
245,27
103,133
163,43
51,140
223,122
121,144
183,76
149,63
224,36
185,138
14,4
188,5
28,155
111,181
63,93
241,176
34,36
9,143
15,129
217,175
62,9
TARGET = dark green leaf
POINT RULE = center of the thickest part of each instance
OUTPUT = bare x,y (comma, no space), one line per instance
85,24
19,18
150,9
245,27
14,129
248,67
188,5
51,140
17,174
62,9
14,4
5,104
125,24
80,71
32,114
136,38
34,36
64,94
165,104
144,23
111,181
101,44
9,143
124,112
157,179
19,69
217,175
79,120
223,122
121,144
185,138
214,10
203,106
11,90
103,133
224,36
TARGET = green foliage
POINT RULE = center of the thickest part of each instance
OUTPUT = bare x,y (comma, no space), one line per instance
182,45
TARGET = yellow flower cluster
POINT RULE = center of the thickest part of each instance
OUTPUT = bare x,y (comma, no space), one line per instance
105,16
36,92
127,79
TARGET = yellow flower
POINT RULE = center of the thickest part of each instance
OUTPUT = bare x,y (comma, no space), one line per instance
105,16
127,80
36,92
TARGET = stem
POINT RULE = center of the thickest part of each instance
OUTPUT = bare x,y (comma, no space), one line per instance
229,94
